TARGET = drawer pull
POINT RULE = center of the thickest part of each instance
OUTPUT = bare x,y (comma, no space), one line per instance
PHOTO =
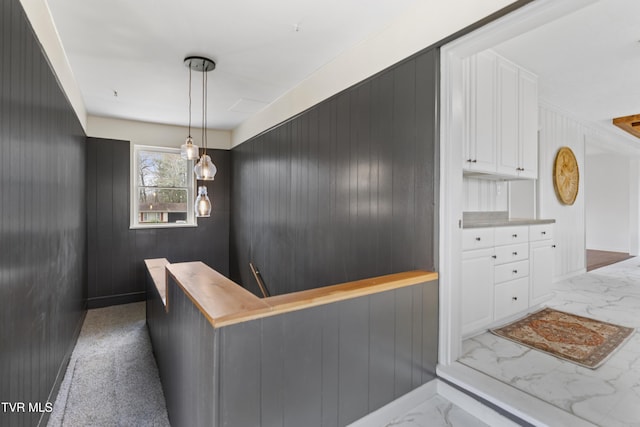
469,160
553,246
474,161
478,239
494,256
514,253
514,298
514,236
515,271
543,233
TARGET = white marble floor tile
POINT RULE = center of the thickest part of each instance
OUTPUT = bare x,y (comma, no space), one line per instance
434,404
437,412
608,396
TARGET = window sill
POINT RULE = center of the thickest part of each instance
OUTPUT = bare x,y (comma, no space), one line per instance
172,225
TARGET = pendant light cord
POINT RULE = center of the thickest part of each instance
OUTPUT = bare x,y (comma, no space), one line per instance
189,102
204,111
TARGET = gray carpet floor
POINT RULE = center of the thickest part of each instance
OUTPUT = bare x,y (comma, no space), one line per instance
112,378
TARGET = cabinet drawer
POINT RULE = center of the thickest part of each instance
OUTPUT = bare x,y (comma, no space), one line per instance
511,253
511,235
477,238
511,271
511,298
540,232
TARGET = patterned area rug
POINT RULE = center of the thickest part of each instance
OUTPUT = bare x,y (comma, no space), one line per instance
581,340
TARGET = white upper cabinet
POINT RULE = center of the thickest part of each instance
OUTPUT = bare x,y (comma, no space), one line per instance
502,118
480,144
528,121
508,129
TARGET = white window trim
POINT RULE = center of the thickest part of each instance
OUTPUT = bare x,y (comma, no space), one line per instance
134,211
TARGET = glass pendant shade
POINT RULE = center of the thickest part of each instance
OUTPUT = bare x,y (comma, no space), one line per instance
189,150
205,169
203,204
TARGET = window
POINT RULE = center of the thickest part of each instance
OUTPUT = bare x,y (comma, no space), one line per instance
162,192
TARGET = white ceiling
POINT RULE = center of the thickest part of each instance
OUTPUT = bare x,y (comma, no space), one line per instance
587,62
262,49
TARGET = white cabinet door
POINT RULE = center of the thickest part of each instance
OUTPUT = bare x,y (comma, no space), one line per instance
540,271
480,155
477,289
528,125
540,232
511,298
508,132
477,238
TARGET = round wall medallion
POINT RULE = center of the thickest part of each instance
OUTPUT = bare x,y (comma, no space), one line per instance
566,177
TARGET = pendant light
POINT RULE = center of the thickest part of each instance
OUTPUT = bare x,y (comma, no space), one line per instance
203,204
189,150
204,169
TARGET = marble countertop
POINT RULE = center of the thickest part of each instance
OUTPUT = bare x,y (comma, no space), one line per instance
505,222
497,219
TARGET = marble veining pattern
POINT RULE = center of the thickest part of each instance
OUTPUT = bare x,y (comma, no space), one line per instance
436,412
608,396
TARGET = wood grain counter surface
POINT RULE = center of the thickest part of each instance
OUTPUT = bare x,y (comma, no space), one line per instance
224,302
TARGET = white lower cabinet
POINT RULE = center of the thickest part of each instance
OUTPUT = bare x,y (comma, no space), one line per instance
541,254
511,297
509,277
477,289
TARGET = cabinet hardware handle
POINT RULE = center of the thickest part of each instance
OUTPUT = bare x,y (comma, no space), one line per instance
544,232
514,253
514,235
469,160
494,256
474,161
478,239
515,271
514,298
553,246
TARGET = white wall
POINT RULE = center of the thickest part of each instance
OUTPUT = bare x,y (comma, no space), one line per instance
481,195
143,133
607,202
557,130
634,207
522,199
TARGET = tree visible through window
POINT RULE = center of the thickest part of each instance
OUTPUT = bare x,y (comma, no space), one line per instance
163,188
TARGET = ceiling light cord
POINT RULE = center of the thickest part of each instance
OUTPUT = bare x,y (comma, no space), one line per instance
204,112
189,102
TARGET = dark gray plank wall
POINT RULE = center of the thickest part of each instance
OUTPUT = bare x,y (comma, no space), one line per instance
42,222
328,365
345,190
116,254
187,356
157,325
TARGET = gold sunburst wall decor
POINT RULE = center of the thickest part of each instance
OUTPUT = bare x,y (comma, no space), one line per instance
566,176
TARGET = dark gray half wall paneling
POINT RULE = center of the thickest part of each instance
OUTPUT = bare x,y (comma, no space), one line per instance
328,365
116,253
185,346
343,191
42,223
